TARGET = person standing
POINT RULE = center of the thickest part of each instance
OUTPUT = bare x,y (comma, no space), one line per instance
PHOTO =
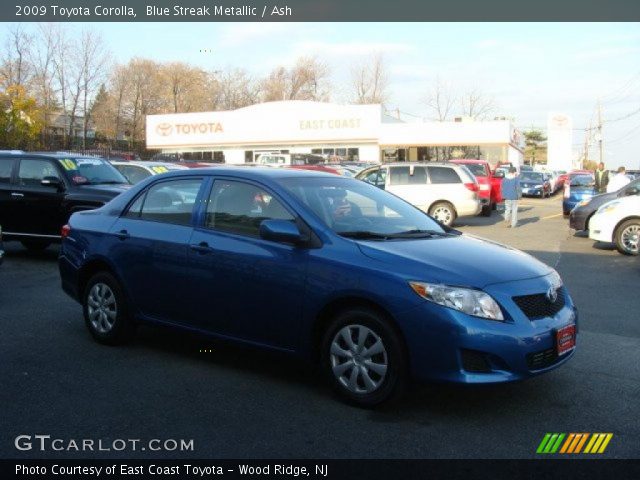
618,181
511,192
602,178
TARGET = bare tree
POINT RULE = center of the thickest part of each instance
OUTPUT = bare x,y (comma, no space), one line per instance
237,89
440,100
15,68
93,59
306,80
476,105
186,85
370,81
42,61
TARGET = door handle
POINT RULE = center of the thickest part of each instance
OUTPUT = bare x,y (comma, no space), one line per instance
123,235
202,247
17,195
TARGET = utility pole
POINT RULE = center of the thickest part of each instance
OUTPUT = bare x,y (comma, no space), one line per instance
587,135
600,132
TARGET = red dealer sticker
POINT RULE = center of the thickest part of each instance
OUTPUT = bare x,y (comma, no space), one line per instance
566,339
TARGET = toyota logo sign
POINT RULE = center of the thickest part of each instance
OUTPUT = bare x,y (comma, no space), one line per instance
164,129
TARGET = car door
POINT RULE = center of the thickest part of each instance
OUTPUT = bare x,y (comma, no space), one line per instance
38,208
150,244
409,182
7,216
245,287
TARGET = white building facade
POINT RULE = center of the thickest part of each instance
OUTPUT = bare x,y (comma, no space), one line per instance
350,132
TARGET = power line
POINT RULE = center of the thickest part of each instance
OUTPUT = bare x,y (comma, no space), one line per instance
624,117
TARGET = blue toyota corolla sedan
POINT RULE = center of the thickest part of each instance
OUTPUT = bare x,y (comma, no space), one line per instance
328,268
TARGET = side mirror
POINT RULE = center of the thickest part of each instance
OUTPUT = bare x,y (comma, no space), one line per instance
283,231
498,175
51,182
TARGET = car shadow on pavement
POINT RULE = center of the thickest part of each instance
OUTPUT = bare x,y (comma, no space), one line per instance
14,250
525,221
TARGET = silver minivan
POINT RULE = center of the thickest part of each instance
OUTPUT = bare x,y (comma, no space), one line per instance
443,190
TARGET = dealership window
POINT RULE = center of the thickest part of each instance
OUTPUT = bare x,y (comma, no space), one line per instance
240,208
494,153
168,202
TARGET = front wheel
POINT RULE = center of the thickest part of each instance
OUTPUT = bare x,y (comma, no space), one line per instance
105,310
443,212
486,210
627,237
364,358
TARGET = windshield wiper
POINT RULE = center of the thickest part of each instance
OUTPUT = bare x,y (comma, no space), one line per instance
363,235
109,182
417,233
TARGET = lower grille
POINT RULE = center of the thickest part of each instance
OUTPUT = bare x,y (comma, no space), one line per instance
542,359
539,306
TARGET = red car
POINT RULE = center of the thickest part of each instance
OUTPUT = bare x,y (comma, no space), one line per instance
490,186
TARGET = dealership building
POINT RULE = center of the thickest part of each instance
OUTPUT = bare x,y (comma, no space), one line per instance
349,132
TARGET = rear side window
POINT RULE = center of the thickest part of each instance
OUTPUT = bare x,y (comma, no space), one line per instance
134,173
408,175
443,175
32,171
6,166
478,169
167,202
240,208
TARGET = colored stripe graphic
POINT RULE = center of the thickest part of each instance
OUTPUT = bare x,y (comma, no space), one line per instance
574,443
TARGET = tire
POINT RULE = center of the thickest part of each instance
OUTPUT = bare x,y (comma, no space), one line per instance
35,245
494,206
443,212
486,210
341,358
627,237
105,311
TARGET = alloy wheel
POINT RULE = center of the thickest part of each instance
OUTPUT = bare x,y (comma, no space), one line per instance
443,215
359,359
102,308
630,238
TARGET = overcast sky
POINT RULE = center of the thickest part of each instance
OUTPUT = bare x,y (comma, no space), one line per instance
530,69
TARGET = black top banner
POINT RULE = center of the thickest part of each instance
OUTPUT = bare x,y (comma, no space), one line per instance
318,10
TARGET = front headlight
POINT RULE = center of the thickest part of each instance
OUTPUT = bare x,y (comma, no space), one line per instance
608,207
466,300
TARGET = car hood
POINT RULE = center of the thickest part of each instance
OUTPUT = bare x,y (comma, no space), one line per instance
462,260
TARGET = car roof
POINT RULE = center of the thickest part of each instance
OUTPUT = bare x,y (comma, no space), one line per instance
255,173
468,160
419,164
19,154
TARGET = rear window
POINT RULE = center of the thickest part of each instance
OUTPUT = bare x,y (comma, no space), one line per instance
409,175
478,169
443,175
582,181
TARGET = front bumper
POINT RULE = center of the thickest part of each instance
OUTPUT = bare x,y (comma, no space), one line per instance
578,218
601,228
532,191
446,345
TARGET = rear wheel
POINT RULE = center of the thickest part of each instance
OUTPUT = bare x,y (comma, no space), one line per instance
443,212
627,237
486,210
105,311
35,245
364,358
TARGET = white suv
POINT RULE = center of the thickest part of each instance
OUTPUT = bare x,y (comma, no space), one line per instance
443,190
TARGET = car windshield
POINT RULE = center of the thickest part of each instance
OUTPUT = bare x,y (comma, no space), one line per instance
355,209
91,171
582,181
531,177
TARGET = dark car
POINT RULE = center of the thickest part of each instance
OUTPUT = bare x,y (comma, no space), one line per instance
325,268
580,187
583,211
1,248
38,193
535,184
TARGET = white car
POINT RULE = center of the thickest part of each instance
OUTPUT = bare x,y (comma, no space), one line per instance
137,171
618,221
443,190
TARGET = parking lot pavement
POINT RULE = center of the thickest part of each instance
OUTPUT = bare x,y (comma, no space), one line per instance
237,402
